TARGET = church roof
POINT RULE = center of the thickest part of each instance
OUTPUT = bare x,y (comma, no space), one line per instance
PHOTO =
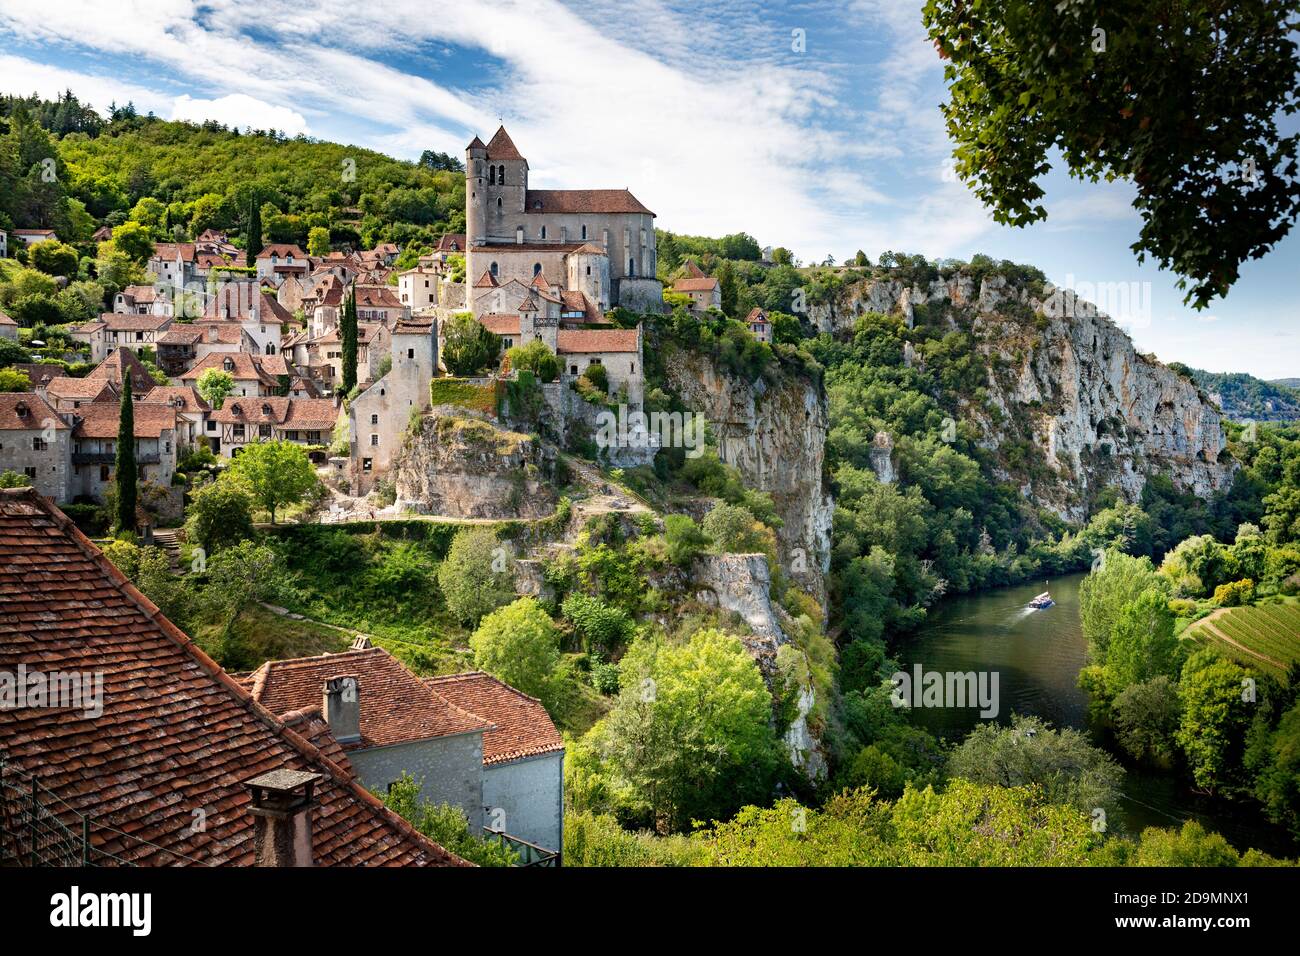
476,143
502,146
583,201
486,281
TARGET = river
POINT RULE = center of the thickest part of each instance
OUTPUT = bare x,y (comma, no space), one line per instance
1038,655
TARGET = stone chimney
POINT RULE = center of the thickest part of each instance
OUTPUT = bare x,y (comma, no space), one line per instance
282,806
342,708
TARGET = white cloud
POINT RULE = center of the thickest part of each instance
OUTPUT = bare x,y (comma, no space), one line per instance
239,110
22,77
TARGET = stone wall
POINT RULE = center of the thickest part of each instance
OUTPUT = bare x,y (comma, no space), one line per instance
448,769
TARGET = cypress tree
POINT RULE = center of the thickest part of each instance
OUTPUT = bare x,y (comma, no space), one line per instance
124,469
348,333
254,234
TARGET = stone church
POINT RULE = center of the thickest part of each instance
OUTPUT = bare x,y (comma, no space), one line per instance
572,252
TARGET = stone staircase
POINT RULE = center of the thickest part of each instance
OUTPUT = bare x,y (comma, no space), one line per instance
169,540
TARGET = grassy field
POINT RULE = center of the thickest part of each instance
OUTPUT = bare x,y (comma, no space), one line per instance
1265,636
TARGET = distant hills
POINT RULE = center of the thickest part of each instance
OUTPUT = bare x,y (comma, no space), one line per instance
1243,396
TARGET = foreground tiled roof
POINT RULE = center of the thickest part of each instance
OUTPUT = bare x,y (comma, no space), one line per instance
596,340
499,323
522,726
176,734
396,707
583,201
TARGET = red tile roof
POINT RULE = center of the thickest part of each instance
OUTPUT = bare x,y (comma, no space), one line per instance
122,360
396,706
705,284
182,397
27,411
129,322
6,320
522,726
486,281
307,414
101,420
583,201
283,250
88,388
501,146
756,316
500,323
39,372
596,340
245,366
176,734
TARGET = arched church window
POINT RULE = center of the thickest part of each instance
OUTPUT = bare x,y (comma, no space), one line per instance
631,267
501,175
492,175
498,202
537,268
543,232
584,232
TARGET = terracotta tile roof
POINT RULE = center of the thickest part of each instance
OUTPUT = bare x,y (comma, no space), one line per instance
366,330
486,281
596,340
27,411
182,397
416,325
522,726
583,201
88,388
141,293
476,143
396,706
574,301
587,249
283,250
6,320
245,366
377,297
451,241
705,284
39,372
300,384
501,146
235,301
122,360
128,322
181,335
176,732
307,414
101,420
756,315
539,282
499,323
693,271
173,250
33,232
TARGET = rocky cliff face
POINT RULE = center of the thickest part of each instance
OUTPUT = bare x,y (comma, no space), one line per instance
775,436
1066,378
462,467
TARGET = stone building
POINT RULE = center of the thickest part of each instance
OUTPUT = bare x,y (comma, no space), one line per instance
94,446
37,442
514,232
379,416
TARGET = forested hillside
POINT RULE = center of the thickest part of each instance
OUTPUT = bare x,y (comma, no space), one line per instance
1243,396
207,176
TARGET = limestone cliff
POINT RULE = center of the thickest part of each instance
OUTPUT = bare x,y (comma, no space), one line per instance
463,467
1064,377
775,436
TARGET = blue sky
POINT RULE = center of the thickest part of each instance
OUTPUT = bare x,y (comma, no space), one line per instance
705,110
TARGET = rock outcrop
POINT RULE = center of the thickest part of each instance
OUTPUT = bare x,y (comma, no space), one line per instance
1066,378
463,467
775,436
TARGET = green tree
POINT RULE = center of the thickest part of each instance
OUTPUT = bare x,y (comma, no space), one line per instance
1146,717
473,577
318,241
125,474
215,385
466,346
1069,769
1184,101
348,338
219,515
14,380
55,258
685,539
275,474
1142,644
519,645
444,824
535,357
1215,717
690,736
238,576
1277,784
733,529
133,240
1118,580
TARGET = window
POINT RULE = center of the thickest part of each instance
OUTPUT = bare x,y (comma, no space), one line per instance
212,426
492,175
573,370
584,232
103,472
374,440
30,472
501,175
632,367
588,270
498,202
493,269
543,232
410,353
264,431
365,464
238,430
374,419
631,267
39,444
537,268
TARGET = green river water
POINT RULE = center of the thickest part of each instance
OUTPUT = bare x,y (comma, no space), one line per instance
1038,655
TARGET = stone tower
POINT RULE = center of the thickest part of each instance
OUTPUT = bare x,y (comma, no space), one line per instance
589,273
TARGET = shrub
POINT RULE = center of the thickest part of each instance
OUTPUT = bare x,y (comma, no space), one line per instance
220,515
472,576
1235,593
535,357
518,644
685,539
600,626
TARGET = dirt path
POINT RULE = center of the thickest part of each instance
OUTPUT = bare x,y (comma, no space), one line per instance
294,616
1207,623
